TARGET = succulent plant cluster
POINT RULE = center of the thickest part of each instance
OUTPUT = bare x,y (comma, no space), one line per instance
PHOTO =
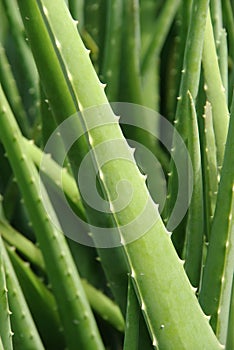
148,277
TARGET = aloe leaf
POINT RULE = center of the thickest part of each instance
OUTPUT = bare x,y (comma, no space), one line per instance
230,336
104,306
100,303
150,80
131,81
22,244
85,257
25,70
150,10
14,209
1,345
41,303
61,182
131,338
63,99
11,91
210,167
223,58
11,197
192,61
215,90
4,24
229,25
136,335
94,16
152,259
110,70
133,84
131,90
76,8
151,85
88,264
54,171
161,28
5,325
175,64
195,222
21,318
216,284
48,123
228,19
74,309
189,82
217,18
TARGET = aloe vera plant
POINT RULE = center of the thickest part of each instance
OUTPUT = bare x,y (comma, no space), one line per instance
173,289
6,332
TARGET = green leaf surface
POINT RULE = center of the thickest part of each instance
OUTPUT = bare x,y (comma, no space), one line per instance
215,294
5,324
63,275
21,318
